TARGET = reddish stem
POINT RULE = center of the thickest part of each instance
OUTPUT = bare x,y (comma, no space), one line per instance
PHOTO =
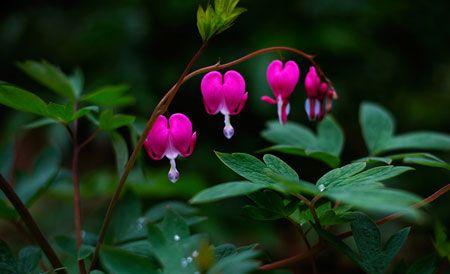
76,195
31,225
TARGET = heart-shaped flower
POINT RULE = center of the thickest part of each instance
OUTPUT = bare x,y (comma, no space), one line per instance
225,94
319,96
170,138
282,79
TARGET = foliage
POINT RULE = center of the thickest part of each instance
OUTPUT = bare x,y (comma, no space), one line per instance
166,237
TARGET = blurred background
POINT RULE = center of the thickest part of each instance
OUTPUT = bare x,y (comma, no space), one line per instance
395,53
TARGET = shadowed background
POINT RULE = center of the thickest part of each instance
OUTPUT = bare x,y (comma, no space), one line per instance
391,52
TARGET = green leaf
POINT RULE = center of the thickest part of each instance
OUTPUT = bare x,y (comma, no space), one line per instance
383,200
378,129
276,164
77,82
214,20
441,242
40,123
238,263
424,159
171,244
119,261
6,157
31,187
110,121
109,96
158,211
425,265
377,126
372,257
247,166
8,264
269,206
341,173
120,150
296,139
29,258
273,173
326,213
7,212
49,76
126,222
419,140
226,190
352,176
21,100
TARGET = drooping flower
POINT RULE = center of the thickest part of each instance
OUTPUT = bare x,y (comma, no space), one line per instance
225,94
282,80
170,138
319,96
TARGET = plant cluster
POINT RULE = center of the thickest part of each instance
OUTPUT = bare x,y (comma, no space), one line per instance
161,239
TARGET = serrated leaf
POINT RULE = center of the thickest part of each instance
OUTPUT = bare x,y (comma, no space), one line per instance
109,96
296,139
226,190
49,76
21,100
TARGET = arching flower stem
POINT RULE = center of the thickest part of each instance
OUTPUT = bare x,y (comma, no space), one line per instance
162,107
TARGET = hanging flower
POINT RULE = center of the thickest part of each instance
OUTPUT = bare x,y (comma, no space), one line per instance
225,94
282,80
319,96
170,138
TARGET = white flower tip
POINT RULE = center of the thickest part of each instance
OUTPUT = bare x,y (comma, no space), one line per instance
228,131
173,174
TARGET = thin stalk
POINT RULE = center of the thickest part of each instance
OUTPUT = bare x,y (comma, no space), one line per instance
76,194
31,225
321,246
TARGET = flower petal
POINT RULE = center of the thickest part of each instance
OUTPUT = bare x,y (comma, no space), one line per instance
283,79
312,83
157,139
211,87
269,100
233,90
180,132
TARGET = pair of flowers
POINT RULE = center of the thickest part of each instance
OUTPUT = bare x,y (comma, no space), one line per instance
227,94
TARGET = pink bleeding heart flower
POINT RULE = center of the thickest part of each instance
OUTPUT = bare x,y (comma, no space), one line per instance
319,96
170,138
225,94
282,80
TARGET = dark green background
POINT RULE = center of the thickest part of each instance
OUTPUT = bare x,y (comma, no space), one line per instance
395,53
